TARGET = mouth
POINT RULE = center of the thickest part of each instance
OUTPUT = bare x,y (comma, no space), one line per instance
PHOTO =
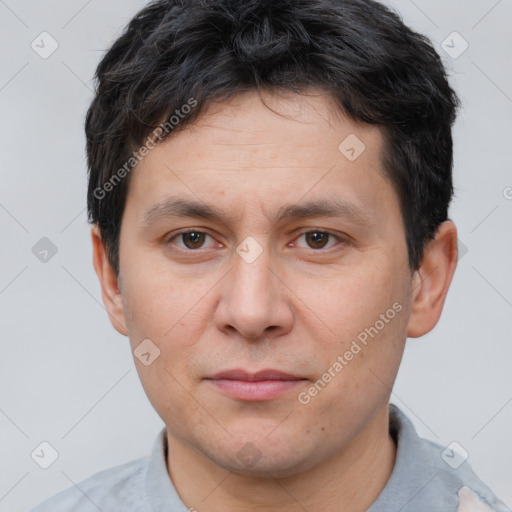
262,385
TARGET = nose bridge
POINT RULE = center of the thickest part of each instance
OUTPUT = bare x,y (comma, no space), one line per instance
253,300
252,287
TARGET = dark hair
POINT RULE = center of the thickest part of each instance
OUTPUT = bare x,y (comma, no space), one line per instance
378,71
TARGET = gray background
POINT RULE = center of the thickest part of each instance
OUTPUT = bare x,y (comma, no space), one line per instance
68,378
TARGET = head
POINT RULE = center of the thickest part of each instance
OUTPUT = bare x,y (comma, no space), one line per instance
269,184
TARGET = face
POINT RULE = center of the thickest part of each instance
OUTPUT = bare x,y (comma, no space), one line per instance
268,268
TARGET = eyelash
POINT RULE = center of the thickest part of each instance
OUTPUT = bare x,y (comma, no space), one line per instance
192,230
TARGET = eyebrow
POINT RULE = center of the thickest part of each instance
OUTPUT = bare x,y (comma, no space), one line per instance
179,207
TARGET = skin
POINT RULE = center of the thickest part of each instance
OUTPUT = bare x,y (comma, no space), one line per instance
296,308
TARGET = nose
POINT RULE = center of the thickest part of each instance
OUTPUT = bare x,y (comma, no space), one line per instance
255,300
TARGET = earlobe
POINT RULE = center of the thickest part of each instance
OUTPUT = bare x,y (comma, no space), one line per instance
432,280
108,281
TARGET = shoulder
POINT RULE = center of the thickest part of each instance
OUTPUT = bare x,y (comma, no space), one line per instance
455,474
427,476
116,488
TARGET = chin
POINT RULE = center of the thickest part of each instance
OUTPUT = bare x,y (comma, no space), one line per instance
261,458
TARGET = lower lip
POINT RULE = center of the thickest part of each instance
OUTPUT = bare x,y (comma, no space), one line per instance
255,390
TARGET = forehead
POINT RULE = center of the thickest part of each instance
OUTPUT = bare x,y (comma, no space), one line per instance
271,149
278,125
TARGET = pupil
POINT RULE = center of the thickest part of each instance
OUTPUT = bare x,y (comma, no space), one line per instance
316,238
194,238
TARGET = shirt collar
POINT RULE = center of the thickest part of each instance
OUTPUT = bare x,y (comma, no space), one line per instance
417,481
160,491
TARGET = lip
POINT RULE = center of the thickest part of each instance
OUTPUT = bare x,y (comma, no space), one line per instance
262,385
244,375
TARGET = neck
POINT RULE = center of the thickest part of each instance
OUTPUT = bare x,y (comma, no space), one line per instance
350,480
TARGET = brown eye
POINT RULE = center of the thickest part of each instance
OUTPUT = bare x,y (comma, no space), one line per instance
317,239
193,239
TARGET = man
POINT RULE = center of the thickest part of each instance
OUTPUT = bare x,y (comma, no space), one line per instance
269,184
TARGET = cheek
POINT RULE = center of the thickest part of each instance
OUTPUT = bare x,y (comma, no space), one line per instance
352,300
366,316
171,395
159,303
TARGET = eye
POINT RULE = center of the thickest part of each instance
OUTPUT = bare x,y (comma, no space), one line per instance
318,239
192,239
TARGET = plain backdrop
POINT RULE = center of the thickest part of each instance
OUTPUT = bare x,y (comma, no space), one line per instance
68,378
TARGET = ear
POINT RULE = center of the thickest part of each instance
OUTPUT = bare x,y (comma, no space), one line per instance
109,282
431,281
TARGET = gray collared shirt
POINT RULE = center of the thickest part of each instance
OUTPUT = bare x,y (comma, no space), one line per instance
422,480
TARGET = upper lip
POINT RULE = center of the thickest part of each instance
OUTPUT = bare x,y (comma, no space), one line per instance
267,374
